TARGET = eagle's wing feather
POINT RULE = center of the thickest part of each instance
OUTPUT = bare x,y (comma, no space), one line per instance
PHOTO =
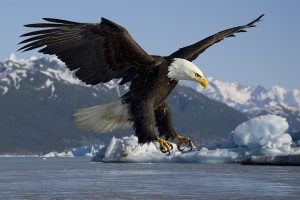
99,52
192,52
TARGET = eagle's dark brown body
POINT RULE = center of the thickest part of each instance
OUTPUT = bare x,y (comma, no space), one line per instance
148,105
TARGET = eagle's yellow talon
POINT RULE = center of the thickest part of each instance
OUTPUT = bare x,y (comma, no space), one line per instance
164,145
185,140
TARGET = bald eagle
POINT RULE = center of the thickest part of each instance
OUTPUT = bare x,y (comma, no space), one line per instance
104,51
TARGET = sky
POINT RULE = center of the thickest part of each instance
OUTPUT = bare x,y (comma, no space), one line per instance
268,55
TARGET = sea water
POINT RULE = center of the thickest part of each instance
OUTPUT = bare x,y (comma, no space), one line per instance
78,178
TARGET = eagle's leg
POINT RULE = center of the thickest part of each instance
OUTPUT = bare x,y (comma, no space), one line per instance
164,122
144,121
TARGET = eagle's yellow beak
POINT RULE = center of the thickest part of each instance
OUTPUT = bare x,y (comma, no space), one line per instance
202,81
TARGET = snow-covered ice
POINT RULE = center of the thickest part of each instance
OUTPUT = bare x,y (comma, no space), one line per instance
266,135
127,149
251,131
261,136
88,151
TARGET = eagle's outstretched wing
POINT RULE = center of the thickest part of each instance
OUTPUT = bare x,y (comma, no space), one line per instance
192,52
100,52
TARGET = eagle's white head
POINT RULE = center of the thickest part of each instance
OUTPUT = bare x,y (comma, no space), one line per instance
181,69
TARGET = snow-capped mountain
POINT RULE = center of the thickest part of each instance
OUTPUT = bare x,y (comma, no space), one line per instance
255,100
38,97
14,70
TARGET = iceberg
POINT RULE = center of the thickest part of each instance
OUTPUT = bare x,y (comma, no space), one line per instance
250,132
262,136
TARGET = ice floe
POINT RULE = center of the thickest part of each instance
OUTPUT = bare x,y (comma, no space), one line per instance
262,136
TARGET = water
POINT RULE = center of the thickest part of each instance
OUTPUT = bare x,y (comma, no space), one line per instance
77,178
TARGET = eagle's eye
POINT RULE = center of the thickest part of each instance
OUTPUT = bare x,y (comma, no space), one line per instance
197,75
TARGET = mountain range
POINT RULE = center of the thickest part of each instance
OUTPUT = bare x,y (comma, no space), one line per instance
255,100
38,97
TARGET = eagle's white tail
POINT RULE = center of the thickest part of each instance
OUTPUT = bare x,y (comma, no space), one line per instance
104,118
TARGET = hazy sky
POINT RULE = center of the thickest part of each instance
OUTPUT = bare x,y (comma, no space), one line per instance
267,55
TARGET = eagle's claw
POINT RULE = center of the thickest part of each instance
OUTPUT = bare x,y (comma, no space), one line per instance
185,140
164,146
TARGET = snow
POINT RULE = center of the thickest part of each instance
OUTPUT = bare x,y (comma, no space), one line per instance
278,92
48,83
47,73
67,76
127,149
261,136
13,57
249,98
56,154
62,74
112,84
16,70
88,151
281,142
17,76
228,89
5,89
